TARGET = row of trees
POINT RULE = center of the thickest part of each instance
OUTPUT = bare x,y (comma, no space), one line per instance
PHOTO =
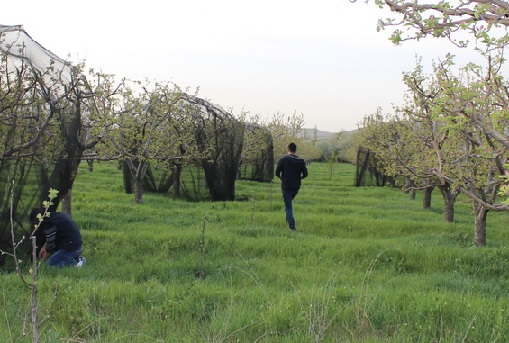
53,115
451,132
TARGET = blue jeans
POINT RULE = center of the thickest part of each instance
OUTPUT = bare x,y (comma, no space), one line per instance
64,258
288,198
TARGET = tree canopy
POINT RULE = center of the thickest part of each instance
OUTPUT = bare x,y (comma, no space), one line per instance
460,118
459,21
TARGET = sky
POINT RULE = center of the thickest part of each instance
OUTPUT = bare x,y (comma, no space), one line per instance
322,59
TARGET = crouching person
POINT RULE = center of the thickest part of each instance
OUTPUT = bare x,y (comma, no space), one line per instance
59,238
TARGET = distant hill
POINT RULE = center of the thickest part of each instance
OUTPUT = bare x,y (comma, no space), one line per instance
321,135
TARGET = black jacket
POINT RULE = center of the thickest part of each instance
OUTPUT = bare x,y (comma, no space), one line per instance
291,169
60,232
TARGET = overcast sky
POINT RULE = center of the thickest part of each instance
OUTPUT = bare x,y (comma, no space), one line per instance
322,58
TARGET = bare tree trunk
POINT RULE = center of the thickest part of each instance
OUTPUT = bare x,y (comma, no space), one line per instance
138,181
481,214
426,200
409,188
449,199
66,203
138,171
138,190
413,193
90,163
177,171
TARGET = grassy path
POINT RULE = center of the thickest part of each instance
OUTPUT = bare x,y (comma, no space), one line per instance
366,265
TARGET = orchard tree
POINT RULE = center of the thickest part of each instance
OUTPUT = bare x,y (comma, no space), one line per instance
43,105
26,141
383,135
290,128
81,108
474,109
471,108
148,128
46,122
307,147
456,115
335,149
257,160
49,120
219,138
448,148
483,20
285,129
434,148
403,148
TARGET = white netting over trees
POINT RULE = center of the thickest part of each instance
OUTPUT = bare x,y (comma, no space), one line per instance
206,163
53,115
257,162
38,127
22,49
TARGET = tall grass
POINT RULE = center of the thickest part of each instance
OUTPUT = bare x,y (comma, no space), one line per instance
366,265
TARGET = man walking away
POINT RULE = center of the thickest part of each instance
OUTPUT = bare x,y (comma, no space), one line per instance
291,169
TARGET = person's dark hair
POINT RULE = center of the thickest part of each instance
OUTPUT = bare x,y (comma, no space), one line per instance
292,147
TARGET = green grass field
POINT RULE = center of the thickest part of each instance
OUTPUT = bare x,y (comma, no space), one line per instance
366,265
